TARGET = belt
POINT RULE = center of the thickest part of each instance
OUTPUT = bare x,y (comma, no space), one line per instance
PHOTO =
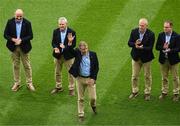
84,76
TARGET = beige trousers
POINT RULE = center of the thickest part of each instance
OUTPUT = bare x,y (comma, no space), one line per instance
58,72
136,67
81,87
18,55
165,68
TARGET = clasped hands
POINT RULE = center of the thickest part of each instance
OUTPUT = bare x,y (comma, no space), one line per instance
166,47
138,44
17,41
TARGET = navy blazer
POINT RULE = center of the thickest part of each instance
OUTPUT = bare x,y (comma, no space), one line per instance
94,64
56,40
26,35
145,54
174,46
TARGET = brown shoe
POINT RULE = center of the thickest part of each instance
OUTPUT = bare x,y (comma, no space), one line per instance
176,97
56,90
147,97
81,119
31,87
162,96
133,95
15,87
94,110
71,92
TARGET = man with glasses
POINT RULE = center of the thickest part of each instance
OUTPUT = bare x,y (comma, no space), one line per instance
168,47
18,33
141,41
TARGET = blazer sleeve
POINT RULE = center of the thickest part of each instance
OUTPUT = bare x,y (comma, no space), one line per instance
6,31
159,43
53,43
96,67
176,47
131,42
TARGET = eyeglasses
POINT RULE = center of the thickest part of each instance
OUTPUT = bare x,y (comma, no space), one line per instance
167,27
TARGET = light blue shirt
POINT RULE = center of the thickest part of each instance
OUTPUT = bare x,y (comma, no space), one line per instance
168,37
18,29
85,65
63,36
141,35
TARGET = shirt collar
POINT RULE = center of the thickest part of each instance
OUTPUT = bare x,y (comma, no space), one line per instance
64,31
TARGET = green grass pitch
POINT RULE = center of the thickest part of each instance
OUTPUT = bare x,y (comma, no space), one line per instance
105,25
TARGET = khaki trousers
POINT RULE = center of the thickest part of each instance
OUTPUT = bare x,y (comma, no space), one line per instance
18,55
136,67
81,87
58,72
165,68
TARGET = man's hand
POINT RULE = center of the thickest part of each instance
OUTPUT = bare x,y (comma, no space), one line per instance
167,50
90,81
17,41
138,44
70,38
62,46
166,45
56,50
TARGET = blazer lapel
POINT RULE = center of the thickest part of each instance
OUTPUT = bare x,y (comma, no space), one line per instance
66,39
59,35
22,28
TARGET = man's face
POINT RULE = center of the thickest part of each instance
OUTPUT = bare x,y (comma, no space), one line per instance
142,26
62,25
18,16
83,49
167,28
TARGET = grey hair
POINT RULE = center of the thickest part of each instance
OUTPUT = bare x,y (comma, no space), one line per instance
62,19
83,43
143,20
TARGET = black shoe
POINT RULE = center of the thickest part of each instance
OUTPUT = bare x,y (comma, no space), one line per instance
71,92
81,119
56,90
94,110
162,96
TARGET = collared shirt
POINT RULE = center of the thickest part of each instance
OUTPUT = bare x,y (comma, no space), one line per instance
85,65
168,37
63,36
141,35
18,29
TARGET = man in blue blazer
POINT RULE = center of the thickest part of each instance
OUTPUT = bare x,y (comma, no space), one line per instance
85,70
141,41
62,54
168,46
18,33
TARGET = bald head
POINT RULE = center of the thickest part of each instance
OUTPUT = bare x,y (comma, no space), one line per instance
143,24
18,14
